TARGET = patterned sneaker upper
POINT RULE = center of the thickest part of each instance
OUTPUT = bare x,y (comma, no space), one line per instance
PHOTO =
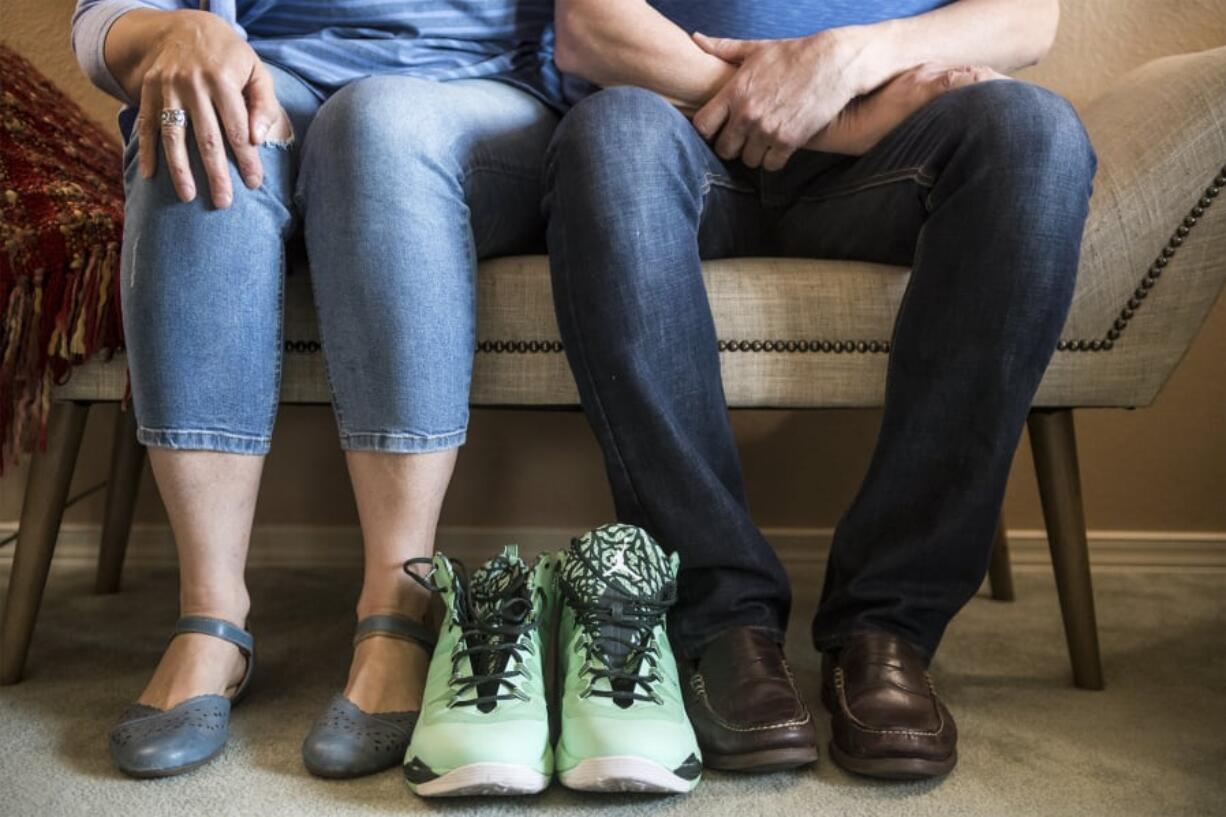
619,585
623,720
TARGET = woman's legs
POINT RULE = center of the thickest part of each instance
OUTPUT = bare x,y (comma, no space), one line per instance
399,497
405,183
210,499
201,291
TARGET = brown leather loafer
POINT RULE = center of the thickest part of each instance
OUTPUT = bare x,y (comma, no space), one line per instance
886,720
746,710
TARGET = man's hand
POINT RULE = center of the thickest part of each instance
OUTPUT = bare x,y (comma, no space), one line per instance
193,60
866,120
782,95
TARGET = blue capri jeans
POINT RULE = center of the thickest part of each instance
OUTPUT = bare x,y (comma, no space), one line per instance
399,186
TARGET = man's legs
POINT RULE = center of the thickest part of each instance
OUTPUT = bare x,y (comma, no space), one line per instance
635,199
985,191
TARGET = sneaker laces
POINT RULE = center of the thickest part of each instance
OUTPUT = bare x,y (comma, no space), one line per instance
491,625
622,658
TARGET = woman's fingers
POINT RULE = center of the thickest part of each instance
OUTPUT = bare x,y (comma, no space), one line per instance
147,127
263,108
232,109
211,145
174,145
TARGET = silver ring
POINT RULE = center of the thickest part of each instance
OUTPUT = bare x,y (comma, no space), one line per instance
174,117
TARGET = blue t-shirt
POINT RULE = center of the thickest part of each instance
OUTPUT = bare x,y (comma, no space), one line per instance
777,19
768,20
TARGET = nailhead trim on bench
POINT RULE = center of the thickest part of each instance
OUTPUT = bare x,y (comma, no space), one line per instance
802,346
519,346
1107,342
1103,344
555,346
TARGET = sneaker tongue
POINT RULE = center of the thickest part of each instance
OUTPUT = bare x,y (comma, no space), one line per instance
491,589
611,566
490,582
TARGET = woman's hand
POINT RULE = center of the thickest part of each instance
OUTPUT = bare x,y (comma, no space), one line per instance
866,120
194,61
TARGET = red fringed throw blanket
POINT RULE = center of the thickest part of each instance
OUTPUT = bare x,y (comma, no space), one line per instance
61,220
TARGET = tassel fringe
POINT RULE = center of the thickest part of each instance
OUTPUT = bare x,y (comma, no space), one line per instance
61,223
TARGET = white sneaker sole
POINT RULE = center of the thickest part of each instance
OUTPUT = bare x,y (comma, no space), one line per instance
484,779
626,773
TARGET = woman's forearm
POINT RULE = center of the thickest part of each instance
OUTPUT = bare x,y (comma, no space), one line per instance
1004,35
92,22
630,43
194,64
129,44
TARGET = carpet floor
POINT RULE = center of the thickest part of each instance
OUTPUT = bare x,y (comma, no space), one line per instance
1154,743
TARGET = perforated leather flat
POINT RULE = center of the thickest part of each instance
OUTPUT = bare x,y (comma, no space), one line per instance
152,742
347,742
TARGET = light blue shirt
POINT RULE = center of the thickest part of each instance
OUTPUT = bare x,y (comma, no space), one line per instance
329,44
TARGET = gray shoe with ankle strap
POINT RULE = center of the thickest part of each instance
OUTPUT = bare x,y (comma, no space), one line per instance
152,742
347,742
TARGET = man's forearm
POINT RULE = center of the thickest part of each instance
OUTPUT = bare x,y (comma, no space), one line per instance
630,43
1001,34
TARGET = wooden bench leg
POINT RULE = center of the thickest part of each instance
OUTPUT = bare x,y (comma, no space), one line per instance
127,461
47,485
1053,440
1000,572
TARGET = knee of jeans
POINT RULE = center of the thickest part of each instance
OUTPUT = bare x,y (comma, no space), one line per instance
148,196
615,131
1029,129
384,118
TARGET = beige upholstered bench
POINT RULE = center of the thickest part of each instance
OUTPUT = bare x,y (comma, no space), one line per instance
815,334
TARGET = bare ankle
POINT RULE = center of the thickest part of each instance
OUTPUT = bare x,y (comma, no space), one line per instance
229,605
403,598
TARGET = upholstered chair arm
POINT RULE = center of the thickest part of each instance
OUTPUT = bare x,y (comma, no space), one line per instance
1154,256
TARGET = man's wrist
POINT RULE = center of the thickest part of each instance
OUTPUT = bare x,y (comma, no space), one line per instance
873,54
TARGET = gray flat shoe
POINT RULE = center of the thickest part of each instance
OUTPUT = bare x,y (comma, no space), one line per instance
347,742
152,742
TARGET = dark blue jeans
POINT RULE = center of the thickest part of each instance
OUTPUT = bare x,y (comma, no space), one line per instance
983,192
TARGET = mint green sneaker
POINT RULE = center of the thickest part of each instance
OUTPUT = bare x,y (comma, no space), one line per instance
623,724
484,723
